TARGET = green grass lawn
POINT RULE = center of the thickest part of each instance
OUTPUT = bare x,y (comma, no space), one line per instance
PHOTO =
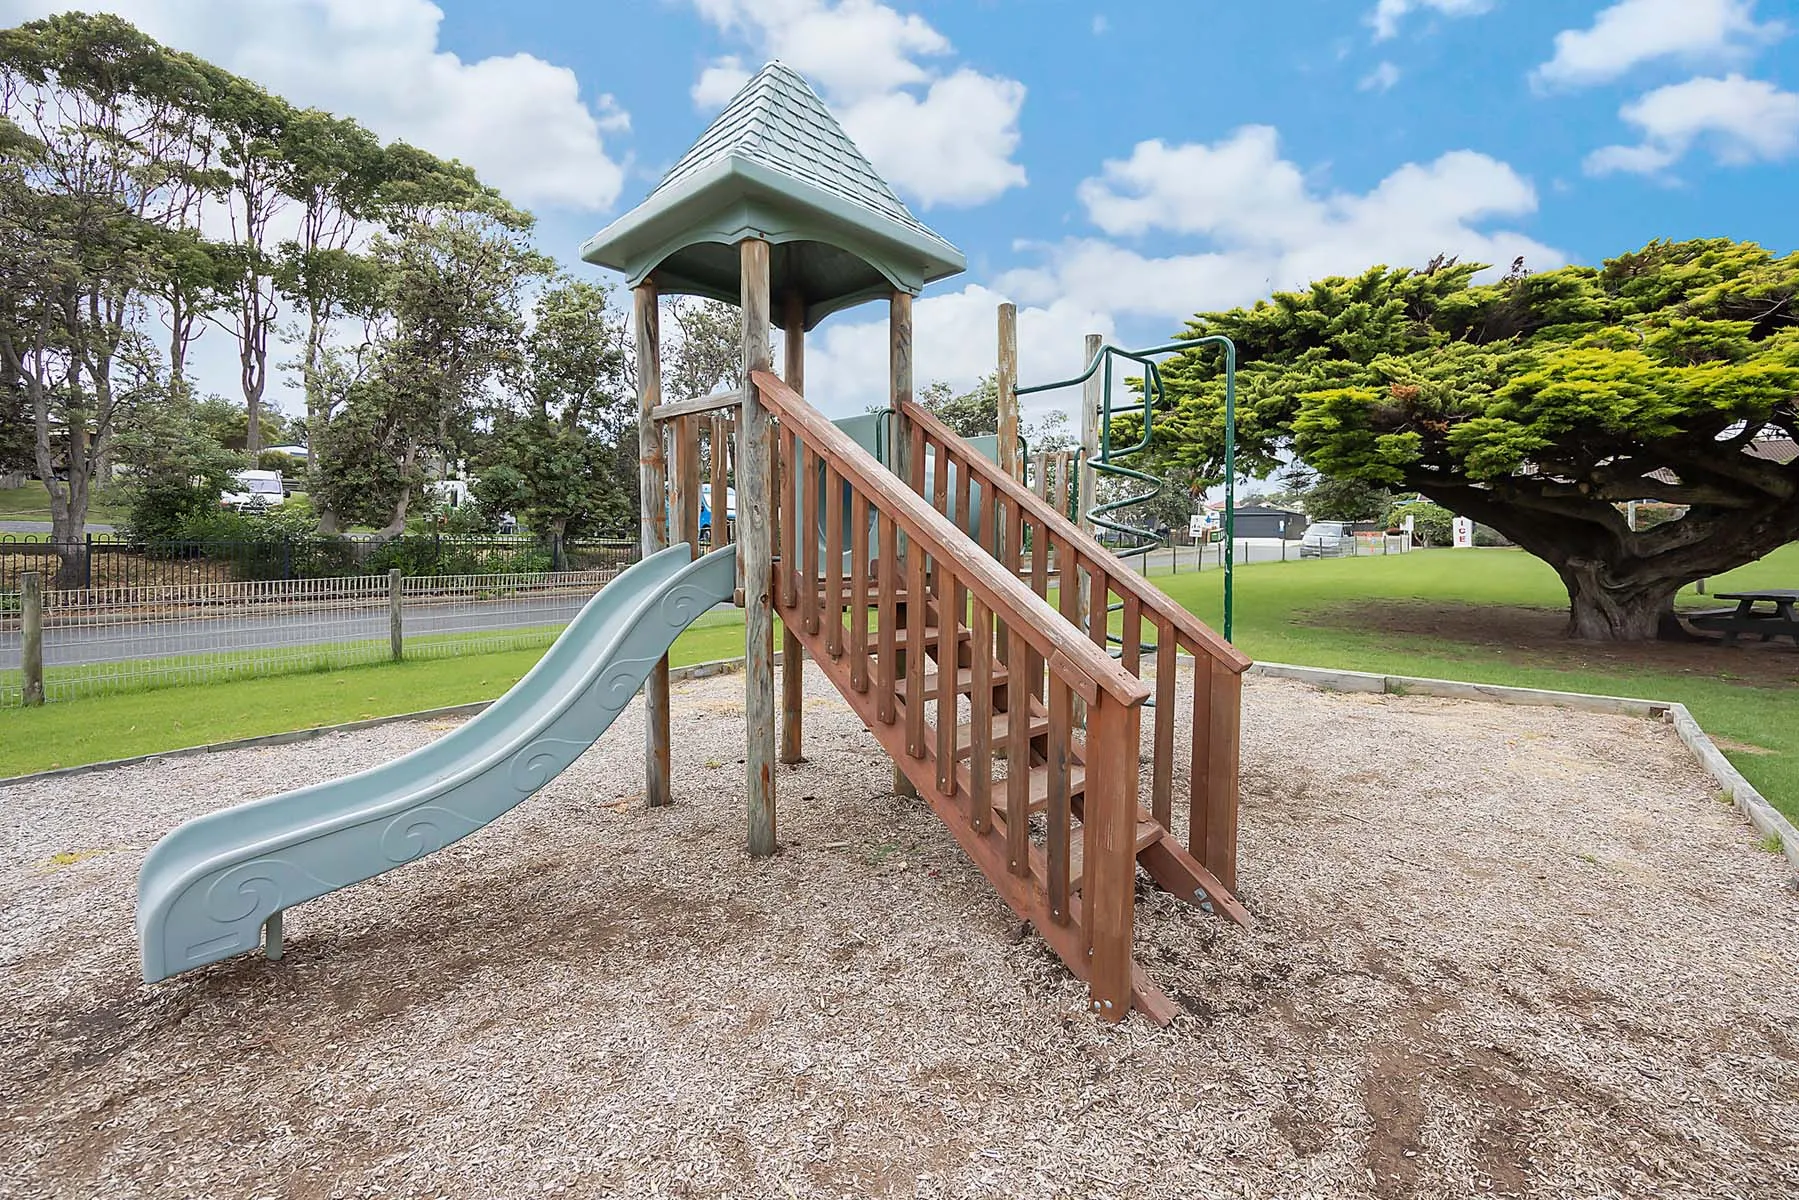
122,726
32,503
1297,612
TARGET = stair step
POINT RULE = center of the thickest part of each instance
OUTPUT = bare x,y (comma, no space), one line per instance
1148,834
964,681
847,596
902,637
1002,731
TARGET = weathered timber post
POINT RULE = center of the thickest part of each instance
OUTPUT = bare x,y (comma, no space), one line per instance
1006,382
793,663
31,628
1093,401
396,623
1010,460
652,491
899,379
1110,853
756,545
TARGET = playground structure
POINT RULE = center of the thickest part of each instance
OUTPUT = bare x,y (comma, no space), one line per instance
948,597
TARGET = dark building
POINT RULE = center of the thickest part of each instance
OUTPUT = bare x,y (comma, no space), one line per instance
1261,521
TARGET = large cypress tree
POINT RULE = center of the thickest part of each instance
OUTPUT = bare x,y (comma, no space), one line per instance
1538,405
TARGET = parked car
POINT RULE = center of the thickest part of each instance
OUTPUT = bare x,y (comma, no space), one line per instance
255,490
1326,539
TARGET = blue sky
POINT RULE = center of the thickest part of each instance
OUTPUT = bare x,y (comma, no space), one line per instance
1110,167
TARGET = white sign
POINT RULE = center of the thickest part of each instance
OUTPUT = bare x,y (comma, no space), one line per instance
1196,528
1464,533
1409,518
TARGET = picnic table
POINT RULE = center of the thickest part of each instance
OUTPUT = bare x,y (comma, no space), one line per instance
1777,620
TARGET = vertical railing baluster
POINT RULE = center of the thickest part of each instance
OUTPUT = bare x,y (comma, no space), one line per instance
886,623
980,717
917,568
721,524
833,513
790,525
1058,813
1018,772
964,489
809,531
860,534
1200,752
1033,661
949,616
1161,795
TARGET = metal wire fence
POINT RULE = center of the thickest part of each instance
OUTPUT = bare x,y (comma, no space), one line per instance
101,560
101,640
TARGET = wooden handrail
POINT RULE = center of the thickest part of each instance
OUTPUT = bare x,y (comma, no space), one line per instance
1123,578
1071,655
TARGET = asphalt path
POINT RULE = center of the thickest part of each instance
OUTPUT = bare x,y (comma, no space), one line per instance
66,646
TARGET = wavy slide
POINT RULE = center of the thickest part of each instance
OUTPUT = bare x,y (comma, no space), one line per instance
212,887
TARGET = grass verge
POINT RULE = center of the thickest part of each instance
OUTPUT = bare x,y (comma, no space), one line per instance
1284,612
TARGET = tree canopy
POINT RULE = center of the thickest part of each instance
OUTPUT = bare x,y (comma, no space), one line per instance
1537,404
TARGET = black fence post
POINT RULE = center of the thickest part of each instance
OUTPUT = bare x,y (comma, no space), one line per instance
87,563
287,559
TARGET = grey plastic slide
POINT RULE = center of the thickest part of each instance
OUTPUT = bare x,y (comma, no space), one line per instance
212,886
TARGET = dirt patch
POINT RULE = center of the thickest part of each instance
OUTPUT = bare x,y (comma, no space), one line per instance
1536,637
1498,952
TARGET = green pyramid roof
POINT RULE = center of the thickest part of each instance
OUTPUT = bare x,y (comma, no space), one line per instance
776,165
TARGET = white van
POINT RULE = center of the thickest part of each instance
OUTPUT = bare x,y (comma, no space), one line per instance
255,490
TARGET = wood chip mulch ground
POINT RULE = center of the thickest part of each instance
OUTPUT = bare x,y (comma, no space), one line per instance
1500,952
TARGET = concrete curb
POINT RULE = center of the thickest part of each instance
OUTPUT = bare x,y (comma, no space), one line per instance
1751,803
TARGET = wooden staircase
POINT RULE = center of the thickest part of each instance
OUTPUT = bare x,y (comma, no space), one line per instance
1033,754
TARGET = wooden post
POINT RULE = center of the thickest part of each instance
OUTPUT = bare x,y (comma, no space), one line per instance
31,627
899,379
793,663
684,482
755,543
1007,386
1109,825
396,629
1093,399
652,490
1010,460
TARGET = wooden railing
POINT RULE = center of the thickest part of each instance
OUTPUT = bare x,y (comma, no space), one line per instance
1114,605
908,613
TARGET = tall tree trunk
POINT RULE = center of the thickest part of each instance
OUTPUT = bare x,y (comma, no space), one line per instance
1604,609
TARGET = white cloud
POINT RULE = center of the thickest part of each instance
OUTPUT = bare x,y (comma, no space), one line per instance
1102,24
518,120
956,339
1389,13
1632,32
940,137
720,81
1381,79
1741,120
1267,228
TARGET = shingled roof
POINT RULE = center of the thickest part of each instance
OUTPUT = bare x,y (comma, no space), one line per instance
775,164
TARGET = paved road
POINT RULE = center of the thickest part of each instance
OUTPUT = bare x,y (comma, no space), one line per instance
71,646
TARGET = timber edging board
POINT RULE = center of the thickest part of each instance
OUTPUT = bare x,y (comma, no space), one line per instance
1751,803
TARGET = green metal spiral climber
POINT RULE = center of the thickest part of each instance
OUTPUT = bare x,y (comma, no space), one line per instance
1105,516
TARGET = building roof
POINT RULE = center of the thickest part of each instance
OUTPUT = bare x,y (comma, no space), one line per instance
776,164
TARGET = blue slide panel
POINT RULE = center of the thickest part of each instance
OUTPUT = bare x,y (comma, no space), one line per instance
212,887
